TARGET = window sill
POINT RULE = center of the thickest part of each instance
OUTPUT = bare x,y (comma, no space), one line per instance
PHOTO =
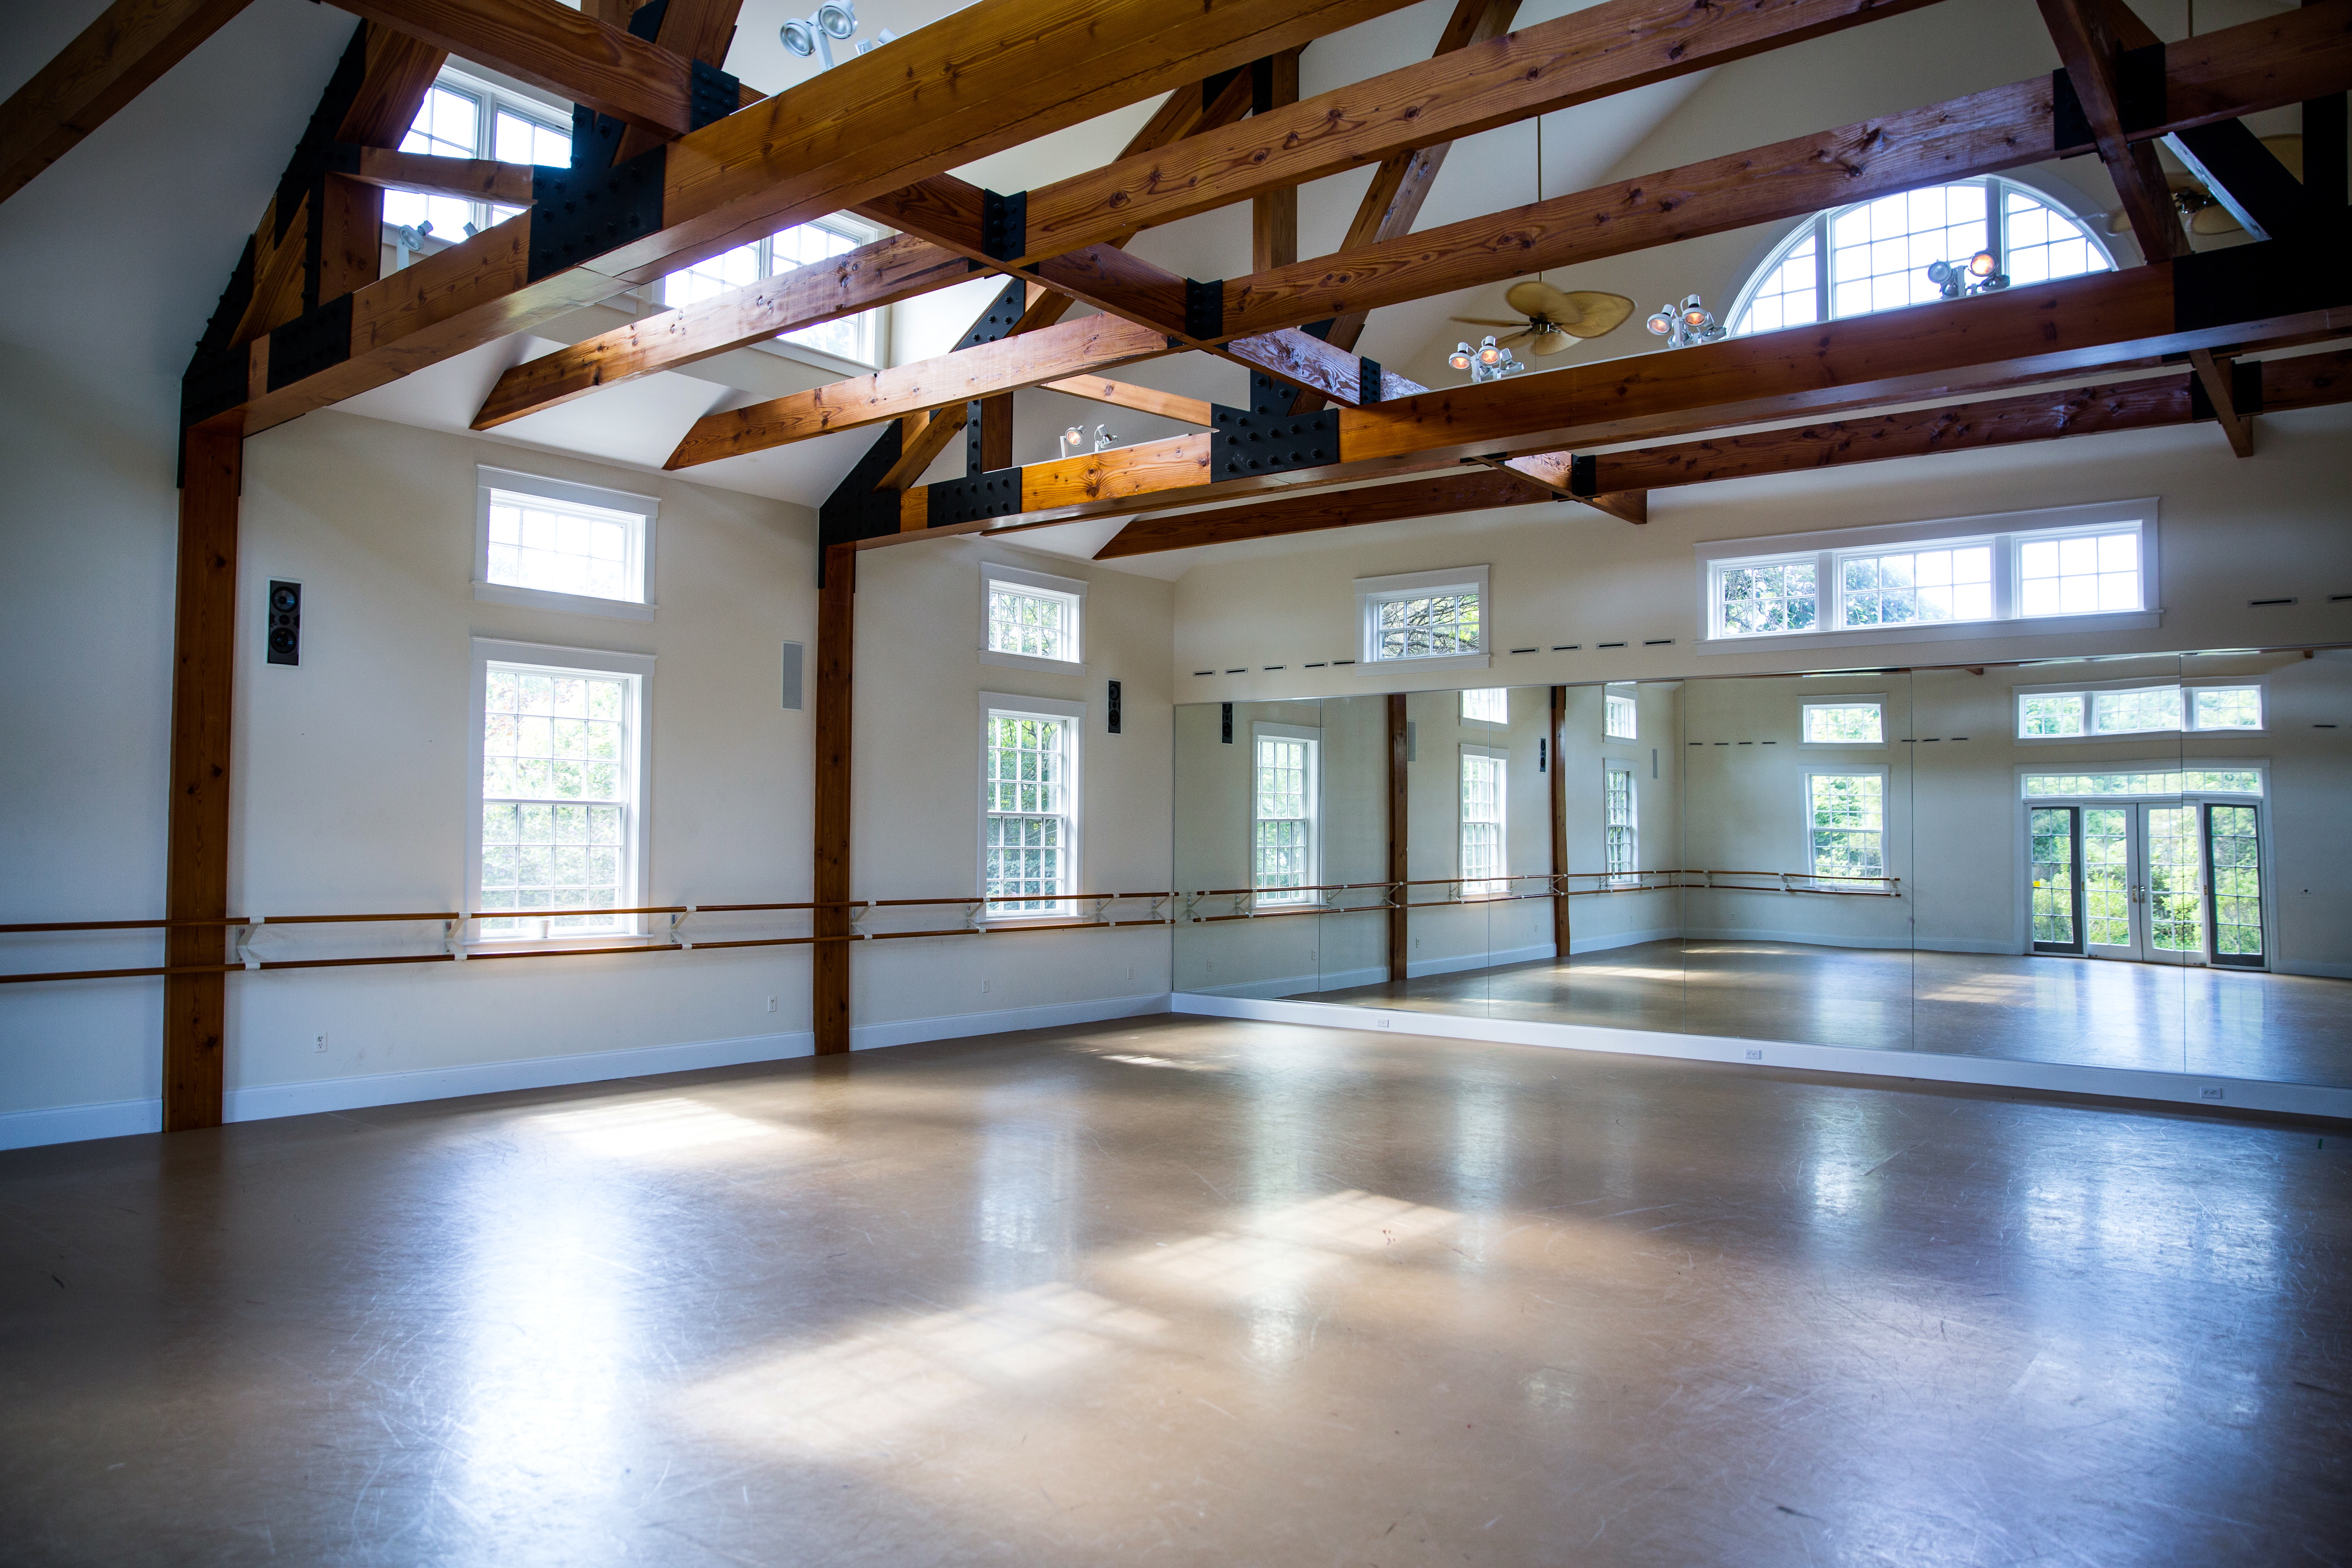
1030,661
1428,661
1942,631
575,603
487,944
2144,737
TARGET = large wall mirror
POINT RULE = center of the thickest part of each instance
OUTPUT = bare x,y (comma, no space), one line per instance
2132,862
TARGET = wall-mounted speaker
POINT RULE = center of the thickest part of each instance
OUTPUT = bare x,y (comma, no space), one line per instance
1229,724
792,676
285,636
1114,708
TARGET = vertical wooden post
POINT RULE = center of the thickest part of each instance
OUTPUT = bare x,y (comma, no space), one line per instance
996,432
1274,216
203,670
1557,785
1399,806
836,638
2323,156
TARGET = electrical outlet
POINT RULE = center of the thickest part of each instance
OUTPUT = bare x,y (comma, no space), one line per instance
319,1042
1130,971
1379,1023
983,988
2208,1093
771,1003
1756,1055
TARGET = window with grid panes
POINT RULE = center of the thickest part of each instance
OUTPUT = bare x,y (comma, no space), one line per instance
1847,823
563,548
1620,824
1899,586
1027,851
1283,845
844,337
1428,625
1035,623
1482,823
1487,705
2079,574
1874,256
461,118
559,800
1853,723
1619,714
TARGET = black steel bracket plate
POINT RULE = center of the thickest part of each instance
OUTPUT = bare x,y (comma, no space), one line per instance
996,494
577,214
1246,442
310,343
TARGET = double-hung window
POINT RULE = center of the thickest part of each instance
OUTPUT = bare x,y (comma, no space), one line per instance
856,338
1846,722
1845,816
1283,847
2069,569
553,545
1031,620
2126,710
1620,823
1483,866
1487,705
1619,714
1434,620
559,787
1029,806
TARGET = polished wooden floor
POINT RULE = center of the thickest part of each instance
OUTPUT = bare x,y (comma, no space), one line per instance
2285,1028
1187,1291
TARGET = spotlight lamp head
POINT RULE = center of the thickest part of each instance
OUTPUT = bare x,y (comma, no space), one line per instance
1460,358
1686,323
1982,265
1979,274
1487,352
834,21
1661,323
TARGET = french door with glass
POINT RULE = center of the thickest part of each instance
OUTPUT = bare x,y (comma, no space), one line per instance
2153,883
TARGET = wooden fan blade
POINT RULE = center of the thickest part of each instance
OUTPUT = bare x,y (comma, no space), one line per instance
2213,220
1596,314
1486,322
1552,343
1533,297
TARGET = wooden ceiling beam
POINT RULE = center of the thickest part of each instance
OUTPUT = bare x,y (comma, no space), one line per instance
898,268
2213,374
468,179
1274,215
2242,299
2305,381
991,76
1142,399
1391,203
697,29
1473,490
1007,365
2092,36
1608,49
570,53
110,62
2216,77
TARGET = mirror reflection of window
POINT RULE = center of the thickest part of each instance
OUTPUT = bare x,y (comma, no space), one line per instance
1619,714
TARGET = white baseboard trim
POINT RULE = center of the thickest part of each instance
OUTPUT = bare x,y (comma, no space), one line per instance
1005,1021
1817,939
74,1123
1418,968
1292,985
261,1102
2125,1083
2316,970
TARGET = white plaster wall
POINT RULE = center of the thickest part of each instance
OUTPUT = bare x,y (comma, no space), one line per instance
87,526
916,747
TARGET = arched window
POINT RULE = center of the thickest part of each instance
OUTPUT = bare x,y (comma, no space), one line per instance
1877,252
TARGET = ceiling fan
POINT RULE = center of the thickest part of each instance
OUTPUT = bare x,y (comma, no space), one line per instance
1552,319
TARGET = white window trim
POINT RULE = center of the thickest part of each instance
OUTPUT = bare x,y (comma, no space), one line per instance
636,856
1502,822
1843,699
2089,689
1632,693
1826,769
1372,591
1075,588
1633,812
2000,530
646,509
2176,763
1011,705
1261,730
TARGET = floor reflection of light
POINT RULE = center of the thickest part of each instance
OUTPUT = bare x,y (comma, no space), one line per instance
1265,1259
1138,1061
1994,988
652,1127
1021,1194
1482,1141
860,1389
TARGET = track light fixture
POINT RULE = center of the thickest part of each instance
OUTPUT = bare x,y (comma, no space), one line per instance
1487,363
1953,278
1686,323
816,32
1073,438
1103,437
